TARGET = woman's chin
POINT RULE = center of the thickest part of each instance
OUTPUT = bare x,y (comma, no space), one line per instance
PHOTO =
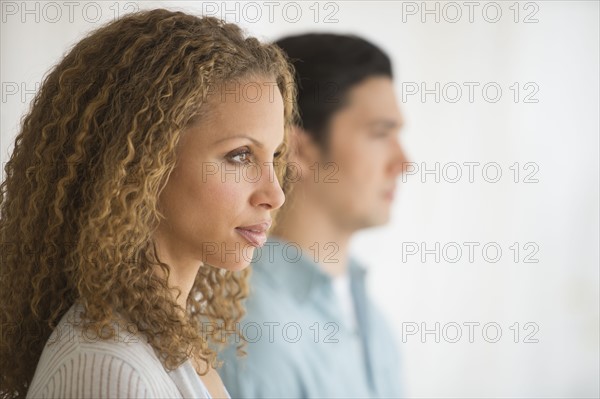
230,264
232,260
234,267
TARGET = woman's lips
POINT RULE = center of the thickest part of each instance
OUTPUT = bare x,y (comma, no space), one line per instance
255,238
255,234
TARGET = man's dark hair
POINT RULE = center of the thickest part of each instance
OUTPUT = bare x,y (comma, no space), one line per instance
327,67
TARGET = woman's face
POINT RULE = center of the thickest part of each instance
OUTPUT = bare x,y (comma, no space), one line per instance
218,200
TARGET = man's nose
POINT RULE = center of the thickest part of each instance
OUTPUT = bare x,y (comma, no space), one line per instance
400,160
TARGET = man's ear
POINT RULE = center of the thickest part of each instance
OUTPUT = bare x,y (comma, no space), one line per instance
303,149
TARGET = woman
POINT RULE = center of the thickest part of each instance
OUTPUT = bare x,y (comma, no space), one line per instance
142,179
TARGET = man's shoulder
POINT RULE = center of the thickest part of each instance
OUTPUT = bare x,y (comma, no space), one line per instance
269,280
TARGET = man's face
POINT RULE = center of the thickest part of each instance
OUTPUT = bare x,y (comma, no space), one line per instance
365,157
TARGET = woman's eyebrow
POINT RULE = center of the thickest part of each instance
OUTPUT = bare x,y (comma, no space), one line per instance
256,142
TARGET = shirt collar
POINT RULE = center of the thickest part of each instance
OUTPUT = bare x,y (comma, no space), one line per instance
294,268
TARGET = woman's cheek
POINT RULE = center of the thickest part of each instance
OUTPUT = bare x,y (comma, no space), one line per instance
227,191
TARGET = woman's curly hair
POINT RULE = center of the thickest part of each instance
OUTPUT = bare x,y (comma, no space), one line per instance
79,203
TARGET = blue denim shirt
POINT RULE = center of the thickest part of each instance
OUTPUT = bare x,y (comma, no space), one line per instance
299,345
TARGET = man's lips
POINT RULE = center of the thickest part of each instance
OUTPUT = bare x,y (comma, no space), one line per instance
255,234
389,195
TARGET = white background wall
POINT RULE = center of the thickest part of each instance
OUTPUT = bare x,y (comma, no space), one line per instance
558,134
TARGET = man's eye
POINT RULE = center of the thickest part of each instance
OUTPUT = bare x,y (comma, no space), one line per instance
380,134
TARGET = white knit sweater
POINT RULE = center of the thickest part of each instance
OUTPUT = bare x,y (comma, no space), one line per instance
74,365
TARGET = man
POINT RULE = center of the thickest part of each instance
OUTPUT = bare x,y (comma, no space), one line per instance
311,329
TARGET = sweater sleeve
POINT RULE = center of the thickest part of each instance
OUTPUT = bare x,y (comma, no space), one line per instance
93,375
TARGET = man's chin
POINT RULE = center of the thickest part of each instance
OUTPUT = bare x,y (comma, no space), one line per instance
381,218
374,221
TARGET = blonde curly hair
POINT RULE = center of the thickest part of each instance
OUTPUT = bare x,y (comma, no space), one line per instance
79,202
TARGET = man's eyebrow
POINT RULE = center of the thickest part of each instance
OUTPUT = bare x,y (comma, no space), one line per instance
240,136
387,124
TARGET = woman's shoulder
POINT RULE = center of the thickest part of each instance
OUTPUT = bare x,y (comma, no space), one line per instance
76,362
69,337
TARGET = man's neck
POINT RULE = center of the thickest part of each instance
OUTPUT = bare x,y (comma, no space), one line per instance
313,230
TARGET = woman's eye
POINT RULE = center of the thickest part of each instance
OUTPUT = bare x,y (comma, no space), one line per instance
242,156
